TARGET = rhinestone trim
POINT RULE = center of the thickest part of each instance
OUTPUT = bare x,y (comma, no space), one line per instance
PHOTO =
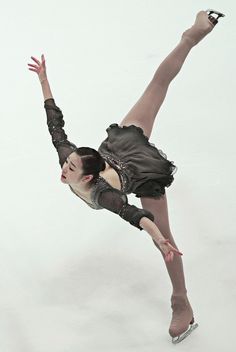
120,167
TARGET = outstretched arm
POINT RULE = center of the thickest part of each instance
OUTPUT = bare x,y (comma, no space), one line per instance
150,227
47,94
117,202
40,69
55,119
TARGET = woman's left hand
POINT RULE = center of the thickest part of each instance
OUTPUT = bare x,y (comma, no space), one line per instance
39,68
167,248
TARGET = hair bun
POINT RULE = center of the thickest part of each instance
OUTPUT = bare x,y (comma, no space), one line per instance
102,165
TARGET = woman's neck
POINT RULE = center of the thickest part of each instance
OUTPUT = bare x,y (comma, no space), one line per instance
83,191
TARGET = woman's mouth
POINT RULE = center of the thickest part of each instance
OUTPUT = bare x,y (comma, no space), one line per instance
63,176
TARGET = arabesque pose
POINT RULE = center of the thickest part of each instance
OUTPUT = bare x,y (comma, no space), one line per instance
126,162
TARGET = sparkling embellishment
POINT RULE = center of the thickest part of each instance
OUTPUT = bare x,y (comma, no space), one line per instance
120,166
122,211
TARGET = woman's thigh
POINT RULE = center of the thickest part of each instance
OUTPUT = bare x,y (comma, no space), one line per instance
159,208
143,113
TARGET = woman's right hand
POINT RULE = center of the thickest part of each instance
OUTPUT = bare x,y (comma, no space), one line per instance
168,250
40,68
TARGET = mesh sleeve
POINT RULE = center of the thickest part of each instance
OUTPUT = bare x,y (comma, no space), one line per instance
117,202
55,124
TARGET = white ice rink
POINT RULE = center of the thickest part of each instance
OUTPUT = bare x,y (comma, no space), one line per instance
76,279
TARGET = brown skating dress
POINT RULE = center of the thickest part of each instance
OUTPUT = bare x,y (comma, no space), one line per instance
143,169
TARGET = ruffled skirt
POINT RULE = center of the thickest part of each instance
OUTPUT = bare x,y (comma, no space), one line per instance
147,167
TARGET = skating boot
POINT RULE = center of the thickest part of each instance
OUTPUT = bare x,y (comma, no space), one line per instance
181,337
182,323
212,18
204,23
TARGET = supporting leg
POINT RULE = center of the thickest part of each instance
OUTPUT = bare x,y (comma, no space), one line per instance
159,208
182,311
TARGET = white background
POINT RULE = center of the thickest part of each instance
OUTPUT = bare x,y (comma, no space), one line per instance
75,279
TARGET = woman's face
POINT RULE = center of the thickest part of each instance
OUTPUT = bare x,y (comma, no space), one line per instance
72,171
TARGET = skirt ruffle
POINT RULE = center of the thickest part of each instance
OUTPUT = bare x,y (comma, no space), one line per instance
148,168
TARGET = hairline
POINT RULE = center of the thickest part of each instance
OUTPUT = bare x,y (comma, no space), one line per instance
72,163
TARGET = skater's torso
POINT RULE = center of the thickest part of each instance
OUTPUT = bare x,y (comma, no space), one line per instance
109,174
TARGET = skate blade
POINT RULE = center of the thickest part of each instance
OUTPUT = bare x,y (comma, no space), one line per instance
182,336
220,14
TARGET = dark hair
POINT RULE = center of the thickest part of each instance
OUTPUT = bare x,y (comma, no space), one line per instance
92,162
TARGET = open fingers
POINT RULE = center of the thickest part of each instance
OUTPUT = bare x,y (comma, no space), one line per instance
36,60
172,248
43,61
169,256
176,251
33,65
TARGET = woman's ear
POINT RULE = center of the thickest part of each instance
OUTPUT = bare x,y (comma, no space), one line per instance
88,178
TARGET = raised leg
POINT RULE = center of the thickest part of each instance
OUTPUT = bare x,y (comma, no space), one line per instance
143,113
182,311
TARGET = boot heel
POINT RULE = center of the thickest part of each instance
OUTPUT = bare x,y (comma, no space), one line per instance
214,20
192,321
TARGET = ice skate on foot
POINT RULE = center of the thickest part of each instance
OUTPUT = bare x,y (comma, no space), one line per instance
182,316
212,18
181,337
204,23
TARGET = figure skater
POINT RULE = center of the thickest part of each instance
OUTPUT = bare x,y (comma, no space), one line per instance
126,162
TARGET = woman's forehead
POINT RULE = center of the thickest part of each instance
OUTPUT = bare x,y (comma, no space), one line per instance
75,158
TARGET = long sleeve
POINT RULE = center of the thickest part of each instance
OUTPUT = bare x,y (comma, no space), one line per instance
117,202
55,124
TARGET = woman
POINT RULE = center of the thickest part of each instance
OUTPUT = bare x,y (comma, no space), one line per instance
127,163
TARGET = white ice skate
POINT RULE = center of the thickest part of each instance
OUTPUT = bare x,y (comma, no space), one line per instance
181,337
212,18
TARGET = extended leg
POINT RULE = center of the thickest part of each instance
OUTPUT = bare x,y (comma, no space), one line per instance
143,113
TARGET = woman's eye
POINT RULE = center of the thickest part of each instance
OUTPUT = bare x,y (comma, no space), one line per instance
70,167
